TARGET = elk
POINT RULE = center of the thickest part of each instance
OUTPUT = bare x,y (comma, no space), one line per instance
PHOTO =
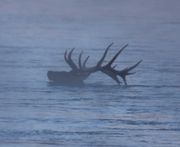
79,72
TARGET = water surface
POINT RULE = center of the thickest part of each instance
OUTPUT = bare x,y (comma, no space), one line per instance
36,113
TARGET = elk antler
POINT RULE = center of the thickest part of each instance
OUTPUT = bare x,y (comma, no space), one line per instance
98,66
69,60
81,72
113,73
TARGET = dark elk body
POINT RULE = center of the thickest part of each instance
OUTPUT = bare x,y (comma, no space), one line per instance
80,72
65,77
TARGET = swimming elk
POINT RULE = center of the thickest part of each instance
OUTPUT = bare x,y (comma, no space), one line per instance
79,72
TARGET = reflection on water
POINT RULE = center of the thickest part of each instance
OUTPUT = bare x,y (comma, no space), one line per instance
35,112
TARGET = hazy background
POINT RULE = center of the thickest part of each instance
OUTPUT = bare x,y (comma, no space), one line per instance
83,22
33,37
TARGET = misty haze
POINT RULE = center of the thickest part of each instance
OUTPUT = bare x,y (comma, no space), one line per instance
34,35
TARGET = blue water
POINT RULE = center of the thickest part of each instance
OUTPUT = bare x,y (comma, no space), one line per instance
36,113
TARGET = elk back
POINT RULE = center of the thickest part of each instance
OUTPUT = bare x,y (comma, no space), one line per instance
64,77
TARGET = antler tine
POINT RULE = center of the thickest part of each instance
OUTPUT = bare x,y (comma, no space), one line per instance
104,55
72,64
127,69
65,56
123,73
135,65
85,61
79,61
116,55
66,59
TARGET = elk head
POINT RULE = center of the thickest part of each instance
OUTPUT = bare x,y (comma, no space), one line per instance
80,72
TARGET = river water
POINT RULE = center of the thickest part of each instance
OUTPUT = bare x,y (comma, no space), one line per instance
36,113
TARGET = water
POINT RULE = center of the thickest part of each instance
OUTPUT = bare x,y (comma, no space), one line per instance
36,113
